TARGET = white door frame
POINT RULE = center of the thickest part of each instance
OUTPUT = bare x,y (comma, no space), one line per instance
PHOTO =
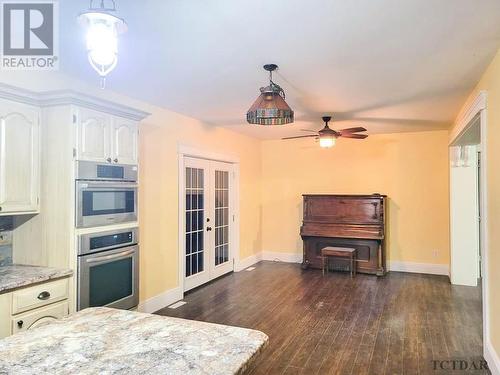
195,152
479,106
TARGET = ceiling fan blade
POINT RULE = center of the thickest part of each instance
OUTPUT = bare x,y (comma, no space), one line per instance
300,136
352,130
354,136
309,130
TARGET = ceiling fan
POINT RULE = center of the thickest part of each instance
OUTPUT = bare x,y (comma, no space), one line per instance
327,136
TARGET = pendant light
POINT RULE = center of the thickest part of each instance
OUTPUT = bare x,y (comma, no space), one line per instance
103,28
270,107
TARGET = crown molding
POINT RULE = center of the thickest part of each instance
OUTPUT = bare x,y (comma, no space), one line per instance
69,97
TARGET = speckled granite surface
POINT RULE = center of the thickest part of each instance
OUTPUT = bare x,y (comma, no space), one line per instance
108,341
18,276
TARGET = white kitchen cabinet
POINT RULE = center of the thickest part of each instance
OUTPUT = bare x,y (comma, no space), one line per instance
93,136
19,158
106,138
25,308
124,138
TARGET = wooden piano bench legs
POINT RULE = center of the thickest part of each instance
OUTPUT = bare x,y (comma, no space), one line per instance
339,252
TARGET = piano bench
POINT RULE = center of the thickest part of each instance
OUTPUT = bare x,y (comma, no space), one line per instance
339,252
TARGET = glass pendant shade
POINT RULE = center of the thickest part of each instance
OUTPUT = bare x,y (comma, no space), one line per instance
103,29
270,108
327,142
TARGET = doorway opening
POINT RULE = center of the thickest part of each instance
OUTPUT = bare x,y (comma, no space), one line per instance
468,205
465,207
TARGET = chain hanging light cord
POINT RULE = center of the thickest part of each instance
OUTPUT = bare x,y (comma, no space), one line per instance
275,87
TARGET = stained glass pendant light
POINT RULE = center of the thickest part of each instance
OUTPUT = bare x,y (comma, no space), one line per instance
270,107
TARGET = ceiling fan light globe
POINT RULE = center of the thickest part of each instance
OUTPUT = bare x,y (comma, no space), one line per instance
326,142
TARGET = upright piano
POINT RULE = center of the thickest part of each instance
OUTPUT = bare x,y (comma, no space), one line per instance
354,221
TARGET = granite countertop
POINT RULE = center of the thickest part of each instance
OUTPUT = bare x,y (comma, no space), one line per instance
18,276
109,341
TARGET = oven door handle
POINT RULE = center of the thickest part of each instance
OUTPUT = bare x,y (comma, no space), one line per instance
123,185
109,257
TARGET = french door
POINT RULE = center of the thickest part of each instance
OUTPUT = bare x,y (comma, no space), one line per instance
208,221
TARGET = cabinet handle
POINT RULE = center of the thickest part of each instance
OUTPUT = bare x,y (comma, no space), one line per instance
116,160
108,160
20,323
44,296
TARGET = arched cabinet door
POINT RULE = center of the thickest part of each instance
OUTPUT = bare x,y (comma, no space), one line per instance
41,321
124,135
19,158
93,136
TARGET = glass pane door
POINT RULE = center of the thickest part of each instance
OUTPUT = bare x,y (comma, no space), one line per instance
221,217
207,216
221,258
195,219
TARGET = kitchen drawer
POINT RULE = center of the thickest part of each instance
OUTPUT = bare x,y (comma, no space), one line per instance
33,319
39,295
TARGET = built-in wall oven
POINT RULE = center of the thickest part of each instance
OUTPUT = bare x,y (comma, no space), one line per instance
105,194
108,269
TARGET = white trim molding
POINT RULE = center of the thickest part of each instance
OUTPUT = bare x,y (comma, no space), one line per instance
470,111
491,356
247,262
195,152
282,257
413,267
69,97
161,300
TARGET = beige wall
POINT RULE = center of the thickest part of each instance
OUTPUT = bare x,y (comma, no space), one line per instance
491,83
411,168
159,137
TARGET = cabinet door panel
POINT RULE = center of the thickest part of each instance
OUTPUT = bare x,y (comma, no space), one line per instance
93,136
124,141
19,158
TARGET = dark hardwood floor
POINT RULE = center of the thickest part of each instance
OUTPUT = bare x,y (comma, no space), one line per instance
397,324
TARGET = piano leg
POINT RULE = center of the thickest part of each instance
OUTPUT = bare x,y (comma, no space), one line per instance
380,265
305,262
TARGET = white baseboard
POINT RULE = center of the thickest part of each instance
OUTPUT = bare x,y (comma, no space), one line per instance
491,356
412,267
433,269
282,257
247,262
161,300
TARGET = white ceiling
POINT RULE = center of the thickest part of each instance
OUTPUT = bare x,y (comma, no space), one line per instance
389,65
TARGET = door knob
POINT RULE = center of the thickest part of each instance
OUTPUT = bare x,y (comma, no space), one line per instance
115,160
20,323
209,229
108,160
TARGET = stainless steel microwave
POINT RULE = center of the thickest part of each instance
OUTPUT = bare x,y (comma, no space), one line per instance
105,194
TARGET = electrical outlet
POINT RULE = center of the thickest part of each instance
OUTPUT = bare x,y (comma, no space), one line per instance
435,253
